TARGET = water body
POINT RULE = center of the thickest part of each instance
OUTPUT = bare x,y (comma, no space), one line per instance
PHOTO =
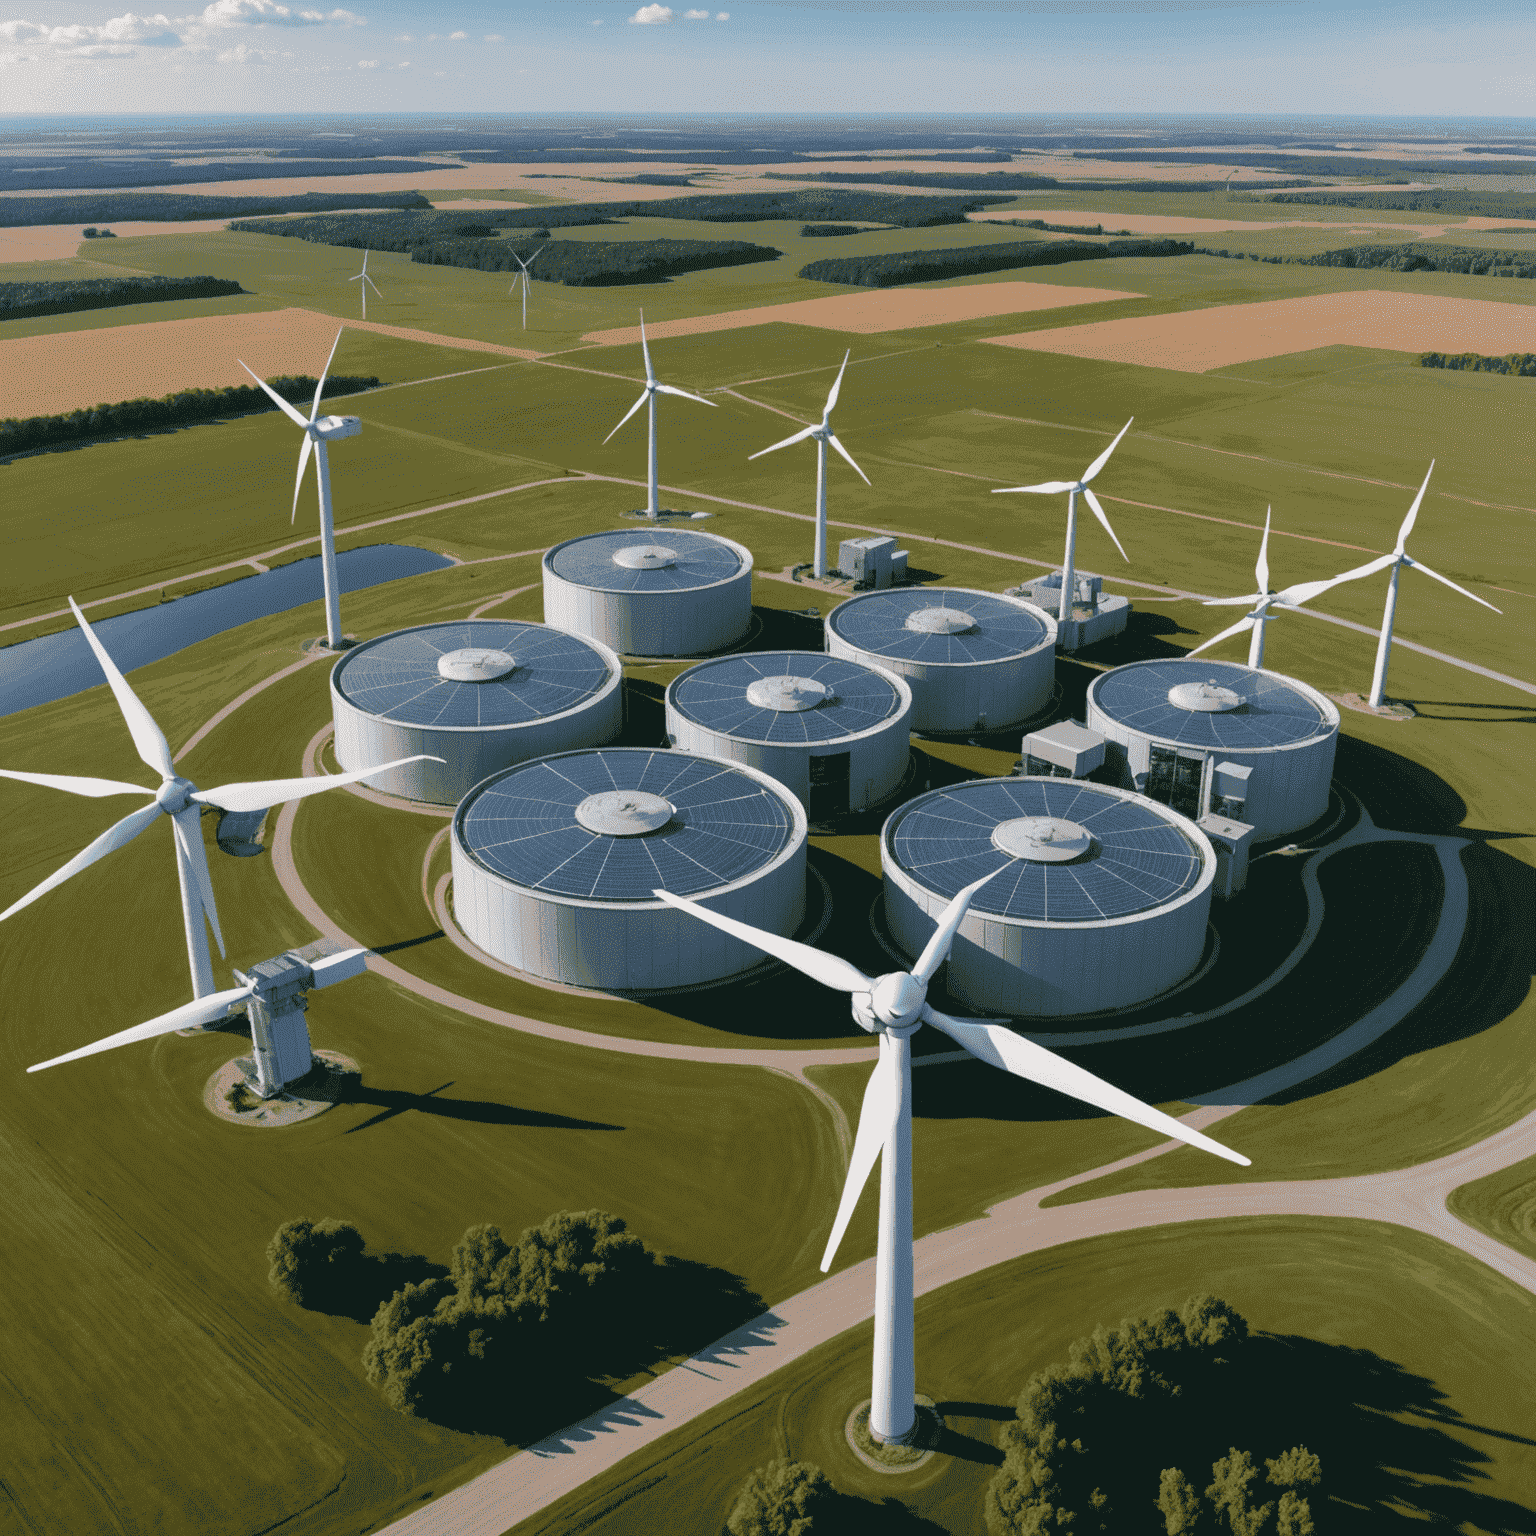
60,665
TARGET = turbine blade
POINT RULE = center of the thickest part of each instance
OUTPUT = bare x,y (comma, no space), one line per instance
95,788
1049,488
1098,512
148,738
374,286
202,1010
669,389
277,399
298,481
799,437
837,385
645,395
872,1135
531,259
936,950
1226,634
830,970
832,438
314,410
357,278
1419,565
189,839
1232,602
261,795
1103,458
998,1046
114,837
645,347
1413,511
1305,591
1261,566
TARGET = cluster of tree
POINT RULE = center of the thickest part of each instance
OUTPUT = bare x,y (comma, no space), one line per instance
1521,364
180,409
897,267
826,231
174,207
1058,229
1312,165
784,1498
649,179
18,301
596,263
561,1299
144,171
1407,257
809,203
1103,1438
1468,203
958,181
315,1263
92,233
375,231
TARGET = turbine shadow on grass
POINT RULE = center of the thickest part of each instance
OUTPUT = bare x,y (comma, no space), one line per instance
392,1102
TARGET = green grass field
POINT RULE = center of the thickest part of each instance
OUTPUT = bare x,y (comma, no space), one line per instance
1503,1205
148,1339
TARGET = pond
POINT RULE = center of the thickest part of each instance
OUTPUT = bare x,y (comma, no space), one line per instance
59,665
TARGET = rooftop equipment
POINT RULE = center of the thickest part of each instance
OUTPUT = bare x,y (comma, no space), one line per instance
1063,751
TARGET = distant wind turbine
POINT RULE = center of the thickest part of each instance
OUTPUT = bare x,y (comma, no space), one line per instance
522,278
648,396
823,434
367,282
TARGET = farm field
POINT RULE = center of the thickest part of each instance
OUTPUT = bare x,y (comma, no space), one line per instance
122,1300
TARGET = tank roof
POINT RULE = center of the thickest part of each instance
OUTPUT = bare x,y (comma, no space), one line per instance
647,560
925,624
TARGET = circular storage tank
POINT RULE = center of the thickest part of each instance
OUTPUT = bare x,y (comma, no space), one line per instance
651,591
833,732
554,863
1102,899
481,694
1206,713
973,660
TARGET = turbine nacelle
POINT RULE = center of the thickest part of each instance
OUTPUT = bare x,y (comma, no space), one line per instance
895,1004
327,429
175,794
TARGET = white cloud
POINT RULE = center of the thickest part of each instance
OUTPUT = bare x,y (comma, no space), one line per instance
23,32
651,16
458,37
118,38
243,53
367,63
405,37
594,23
271,13
695,15
722,15
494,37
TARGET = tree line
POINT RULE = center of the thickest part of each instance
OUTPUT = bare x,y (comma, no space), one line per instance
1468,203
1311,165
186,406
960,181
1408,257
897,267
375,231
1521,364
174,207
595,263
87,171
21,301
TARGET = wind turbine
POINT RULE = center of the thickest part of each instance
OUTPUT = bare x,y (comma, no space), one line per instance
1264,600
367,282
523,279
648,396
318,431
895,1006
1397,560
182,801
1074,489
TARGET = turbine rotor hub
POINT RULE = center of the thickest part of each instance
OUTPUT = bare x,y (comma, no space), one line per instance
897,1002
172,796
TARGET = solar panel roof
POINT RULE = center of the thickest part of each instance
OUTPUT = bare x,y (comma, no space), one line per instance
522,825
701,561
1139,859
877,623
396,676
1274,712
715,695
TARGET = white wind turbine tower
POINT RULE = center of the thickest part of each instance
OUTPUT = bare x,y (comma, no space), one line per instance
178,798
648,397
1074,489
522,278
1269,605
823,434
1397,560
895,1006
367,282
318,431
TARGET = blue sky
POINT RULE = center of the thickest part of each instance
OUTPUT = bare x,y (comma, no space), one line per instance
1261,56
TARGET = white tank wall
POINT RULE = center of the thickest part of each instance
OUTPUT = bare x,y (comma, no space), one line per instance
1287,789
952,696
685,623
626,946
469,753
1050,970
877,759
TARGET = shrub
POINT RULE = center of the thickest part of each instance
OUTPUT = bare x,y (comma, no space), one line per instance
783,1498
314,1263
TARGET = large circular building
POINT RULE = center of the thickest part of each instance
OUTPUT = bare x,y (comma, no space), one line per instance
1099,899
481,694
833,732
1176,723
975,661
555,863
651,592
